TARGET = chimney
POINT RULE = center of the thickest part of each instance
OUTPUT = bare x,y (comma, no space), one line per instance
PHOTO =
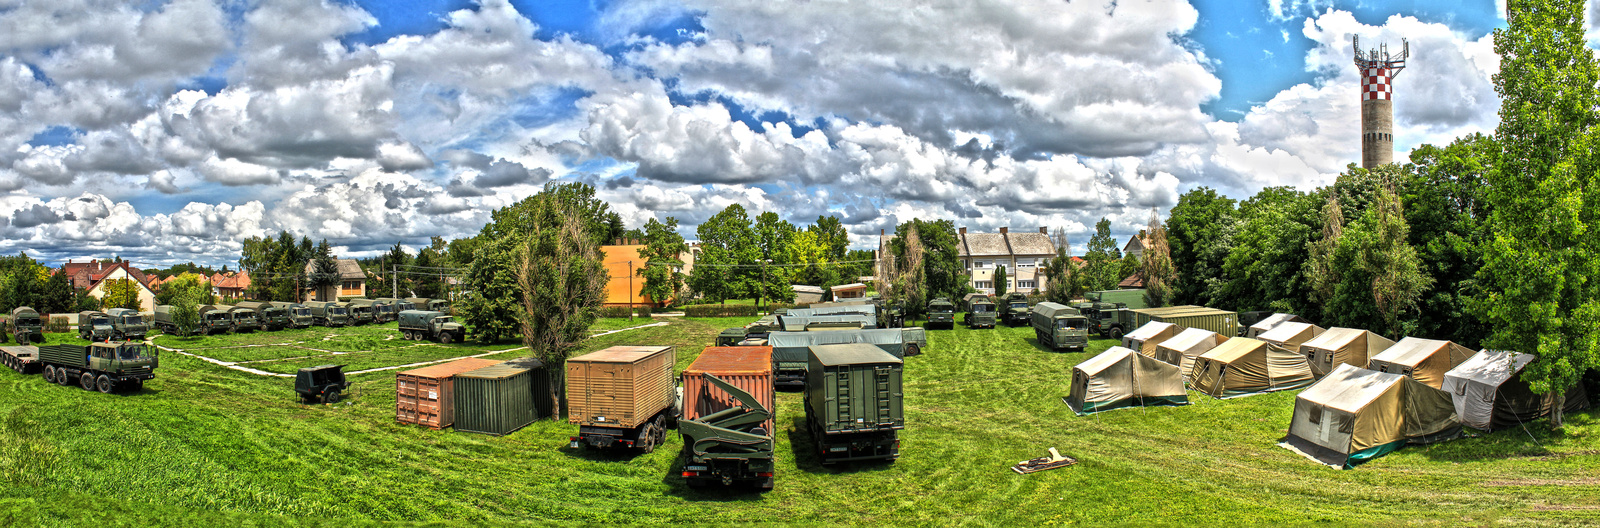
1003,230
1044,230
963,231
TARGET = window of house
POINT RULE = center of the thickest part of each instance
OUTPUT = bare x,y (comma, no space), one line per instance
1027,263
983,285
984,264
1026,284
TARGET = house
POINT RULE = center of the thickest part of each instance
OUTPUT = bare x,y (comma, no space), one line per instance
1022,254
230,286
1132,282
1136,245
352,282
854,290
94,276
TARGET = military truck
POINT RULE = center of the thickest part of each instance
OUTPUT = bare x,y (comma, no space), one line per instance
379,310
26,326
622,396
855,403
424,303
94,326
400,305
214,319
361,314
431,325
101,365
790,350
127,324
325,313
299,314
163,320
1015,310
244,319
1108,319
731,446
1060,326
981,313
1132,299
268,316
941,312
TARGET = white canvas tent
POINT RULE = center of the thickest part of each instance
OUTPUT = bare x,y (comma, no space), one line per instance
1291,335
1272,321
1342,346
1145,338
1489,394
1242,366
1121,377
1427,360
1187,345
1354,415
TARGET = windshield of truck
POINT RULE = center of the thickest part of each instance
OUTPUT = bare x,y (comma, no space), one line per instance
131,352
303,311
339,311
133,320
28,321
982,308
216,316
442,320
100,321
1074,324
1021,305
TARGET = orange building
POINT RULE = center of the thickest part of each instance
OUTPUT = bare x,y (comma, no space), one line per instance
622,266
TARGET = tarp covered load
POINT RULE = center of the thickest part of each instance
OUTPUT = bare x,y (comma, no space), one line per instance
1272,321
1291,335
1145,338
1342,346
1489,393
1121,377
1242,366
833,309
1354,415
1427,360
1187,345
798,323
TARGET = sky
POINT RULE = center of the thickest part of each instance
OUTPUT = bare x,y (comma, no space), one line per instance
166,132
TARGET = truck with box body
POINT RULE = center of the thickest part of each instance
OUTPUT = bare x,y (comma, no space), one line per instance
327,313
941,312
244,319
100,365
299,314
622,396
1014,309
432,326
26,326
379,310
791,350
731,446
1060,326
424,303
214,319
127,324
362,313
855,402
268,315
94,326
747,368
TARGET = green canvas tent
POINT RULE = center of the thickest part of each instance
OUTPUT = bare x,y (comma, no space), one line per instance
1121,377
1354,415
1189,344
1242,366
1342,346
1145,338
1427,360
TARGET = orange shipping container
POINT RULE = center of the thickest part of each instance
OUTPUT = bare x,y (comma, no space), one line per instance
747,367
424,396
621,386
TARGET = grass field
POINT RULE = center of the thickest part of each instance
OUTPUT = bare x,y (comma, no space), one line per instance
205,445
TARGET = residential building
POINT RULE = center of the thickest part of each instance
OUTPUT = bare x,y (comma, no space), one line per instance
981,254
231,285
1136,245
93,276
352,282
854,290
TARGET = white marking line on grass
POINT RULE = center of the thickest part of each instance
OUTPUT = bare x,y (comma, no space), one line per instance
663,323
227,364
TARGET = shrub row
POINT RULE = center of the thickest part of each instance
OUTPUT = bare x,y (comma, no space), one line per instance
622,311
720,310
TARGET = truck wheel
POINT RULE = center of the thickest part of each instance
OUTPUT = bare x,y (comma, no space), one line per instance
446,338
1116,332
49,373
104,384
912,350
650,437
332,396
86,381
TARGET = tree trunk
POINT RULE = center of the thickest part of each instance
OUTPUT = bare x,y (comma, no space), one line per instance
1558,409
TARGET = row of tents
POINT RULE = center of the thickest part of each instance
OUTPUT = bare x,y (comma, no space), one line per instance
1365,395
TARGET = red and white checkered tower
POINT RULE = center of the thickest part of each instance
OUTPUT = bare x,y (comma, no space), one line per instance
1378,70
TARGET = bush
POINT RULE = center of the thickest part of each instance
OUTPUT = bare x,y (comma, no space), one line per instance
719,310
622,311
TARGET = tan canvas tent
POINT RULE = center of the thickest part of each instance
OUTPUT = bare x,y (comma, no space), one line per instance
1272,321
1145,338
1187,345
1424,359
1121,377
1342,346
1489,393
1242,366
1354,415
1291,335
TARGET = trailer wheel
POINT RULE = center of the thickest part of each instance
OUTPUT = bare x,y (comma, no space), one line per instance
331,396
912,349
446,338
104,384
86,380
1116,332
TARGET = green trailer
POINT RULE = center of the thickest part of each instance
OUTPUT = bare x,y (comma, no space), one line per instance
100,366
731,446
855,402
1060,326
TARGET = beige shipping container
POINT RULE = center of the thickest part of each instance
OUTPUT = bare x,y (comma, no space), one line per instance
747,367
425,396
621,386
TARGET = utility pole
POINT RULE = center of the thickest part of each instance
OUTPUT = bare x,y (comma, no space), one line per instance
394,274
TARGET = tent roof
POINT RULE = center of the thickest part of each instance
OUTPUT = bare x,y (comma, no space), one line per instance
1110,357
1349,388
1334,338
1272,321
1149,330
1233,349
1285,332
1491,367
1411,351
1189,337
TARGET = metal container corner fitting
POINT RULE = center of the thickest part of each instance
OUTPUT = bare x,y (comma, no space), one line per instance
495,400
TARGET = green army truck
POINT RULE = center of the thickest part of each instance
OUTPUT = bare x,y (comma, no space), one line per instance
399,305
1014,309
855,402
26,326
731,446
163,320
325,313
244,319
361,314
424,303
268,316
981,311
214,319
430,325
127,324
1060,326
1107,319
377,310
94,326
941,312
1132,299
100,366
299,314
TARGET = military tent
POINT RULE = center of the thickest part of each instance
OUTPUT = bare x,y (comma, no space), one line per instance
1354,415
1121,377
1489,394
1187,345
1342,346
1145,338
1424,359
1272,321
1242,366
1291,335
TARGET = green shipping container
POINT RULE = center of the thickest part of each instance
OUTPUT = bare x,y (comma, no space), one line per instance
499,399
855,388
1220,321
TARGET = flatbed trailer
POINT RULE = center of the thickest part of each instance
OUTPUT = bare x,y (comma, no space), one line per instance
24,359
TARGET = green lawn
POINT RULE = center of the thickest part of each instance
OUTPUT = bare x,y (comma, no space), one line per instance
205,445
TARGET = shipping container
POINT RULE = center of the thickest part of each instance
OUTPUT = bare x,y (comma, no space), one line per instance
747,367
621,396
855,402
1220,321
426,396
496,400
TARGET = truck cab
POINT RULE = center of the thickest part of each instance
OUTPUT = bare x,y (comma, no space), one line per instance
1016,309
94,326
1107,319
361,314
127,324
26,326
127,358
1060,326
942,312
427,325
214,320
244,319
981,313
